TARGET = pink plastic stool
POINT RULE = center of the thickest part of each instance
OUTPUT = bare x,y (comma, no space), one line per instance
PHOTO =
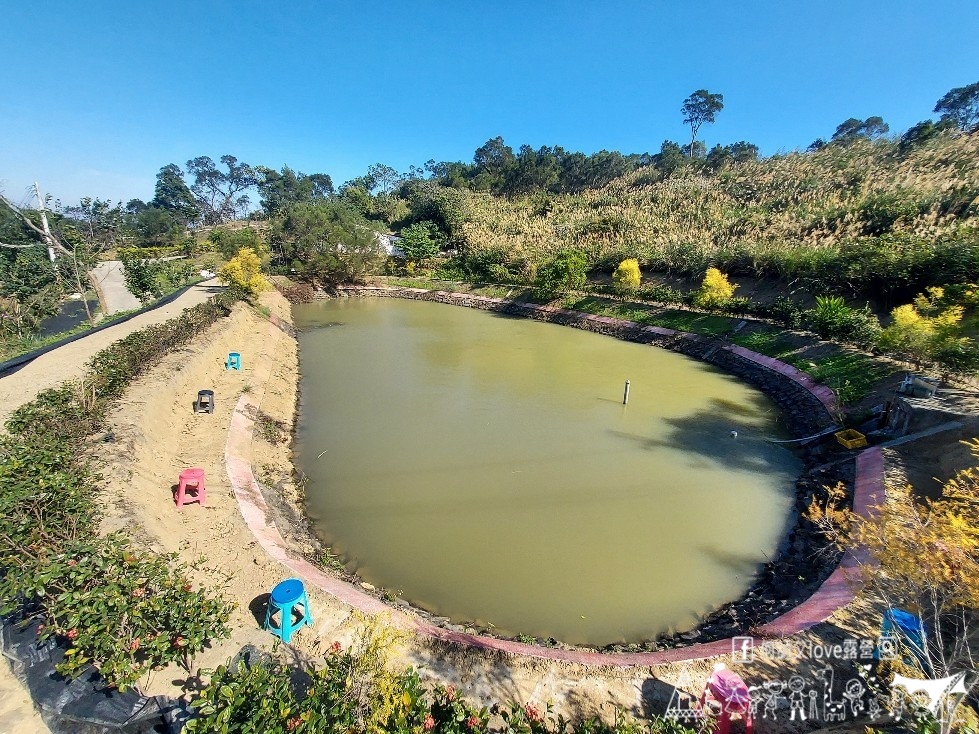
192,480
727,690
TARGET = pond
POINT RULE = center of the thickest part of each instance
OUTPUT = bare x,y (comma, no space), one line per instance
484,468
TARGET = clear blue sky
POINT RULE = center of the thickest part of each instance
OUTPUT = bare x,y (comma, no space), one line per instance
99,95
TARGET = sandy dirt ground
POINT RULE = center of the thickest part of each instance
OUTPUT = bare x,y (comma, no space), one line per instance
154,434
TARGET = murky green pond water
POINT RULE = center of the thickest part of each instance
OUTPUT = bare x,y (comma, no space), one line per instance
485,469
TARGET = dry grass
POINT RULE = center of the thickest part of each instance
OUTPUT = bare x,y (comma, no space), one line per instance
759,217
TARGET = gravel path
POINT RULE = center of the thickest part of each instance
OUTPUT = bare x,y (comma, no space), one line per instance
111,286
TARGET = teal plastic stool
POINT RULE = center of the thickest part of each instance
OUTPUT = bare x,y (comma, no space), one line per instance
234,361
285,599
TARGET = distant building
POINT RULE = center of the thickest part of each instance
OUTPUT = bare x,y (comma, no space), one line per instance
390,247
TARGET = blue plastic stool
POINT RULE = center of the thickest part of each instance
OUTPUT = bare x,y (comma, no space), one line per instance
909,629
234,361
284,599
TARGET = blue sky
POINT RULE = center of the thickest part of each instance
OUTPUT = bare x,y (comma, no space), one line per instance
99,95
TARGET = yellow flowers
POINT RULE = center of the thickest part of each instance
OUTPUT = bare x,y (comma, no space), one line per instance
245,271
715,291
923,328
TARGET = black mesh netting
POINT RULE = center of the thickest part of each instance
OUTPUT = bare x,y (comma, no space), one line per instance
82,705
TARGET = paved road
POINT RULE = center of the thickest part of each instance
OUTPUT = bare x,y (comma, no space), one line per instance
67,362
111,285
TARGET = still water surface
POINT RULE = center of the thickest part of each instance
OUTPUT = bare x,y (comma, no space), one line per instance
485,469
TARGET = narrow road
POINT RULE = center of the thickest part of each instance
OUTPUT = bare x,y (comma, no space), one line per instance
111,286
67,362
17,714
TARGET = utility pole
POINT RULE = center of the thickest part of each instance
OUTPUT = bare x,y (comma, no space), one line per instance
44,222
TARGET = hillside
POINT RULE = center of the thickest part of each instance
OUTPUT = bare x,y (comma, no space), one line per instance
866,218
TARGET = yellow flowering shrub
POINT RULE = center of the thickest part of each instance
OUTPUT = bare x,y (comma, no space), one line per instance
627,276
715,291
245,270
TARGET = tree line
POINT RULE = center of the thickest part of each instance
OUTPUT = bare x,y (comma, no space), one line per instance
418,203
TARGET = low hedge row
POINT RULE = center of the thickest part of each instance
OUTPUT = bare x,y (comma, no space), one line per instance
113,604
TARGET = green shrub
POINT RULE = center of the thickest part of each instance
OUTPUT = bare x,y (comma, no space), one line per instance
661,294
833,319
785,311
449,269
260,697
737,305
566,272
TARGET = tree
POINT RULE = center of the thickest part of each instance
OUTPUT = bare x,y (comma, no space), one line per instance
220,194
670,157
99,221
156,227
699,108
492,162
280,190
383,179
695,150
740,152
420,241
961,106
327,242
875,127
923,132
869,129
533,170
848,130
173,194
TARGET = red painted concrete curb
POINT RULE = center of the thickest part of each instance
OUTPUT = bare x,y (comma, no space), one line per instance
834,593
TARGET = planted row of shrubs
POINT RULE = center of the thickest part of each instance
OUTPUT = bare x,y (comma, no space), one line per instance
111,603
354,691
927,331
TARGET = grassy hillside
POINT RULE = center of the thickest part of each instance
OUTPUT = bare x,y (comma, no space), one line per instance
864,219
